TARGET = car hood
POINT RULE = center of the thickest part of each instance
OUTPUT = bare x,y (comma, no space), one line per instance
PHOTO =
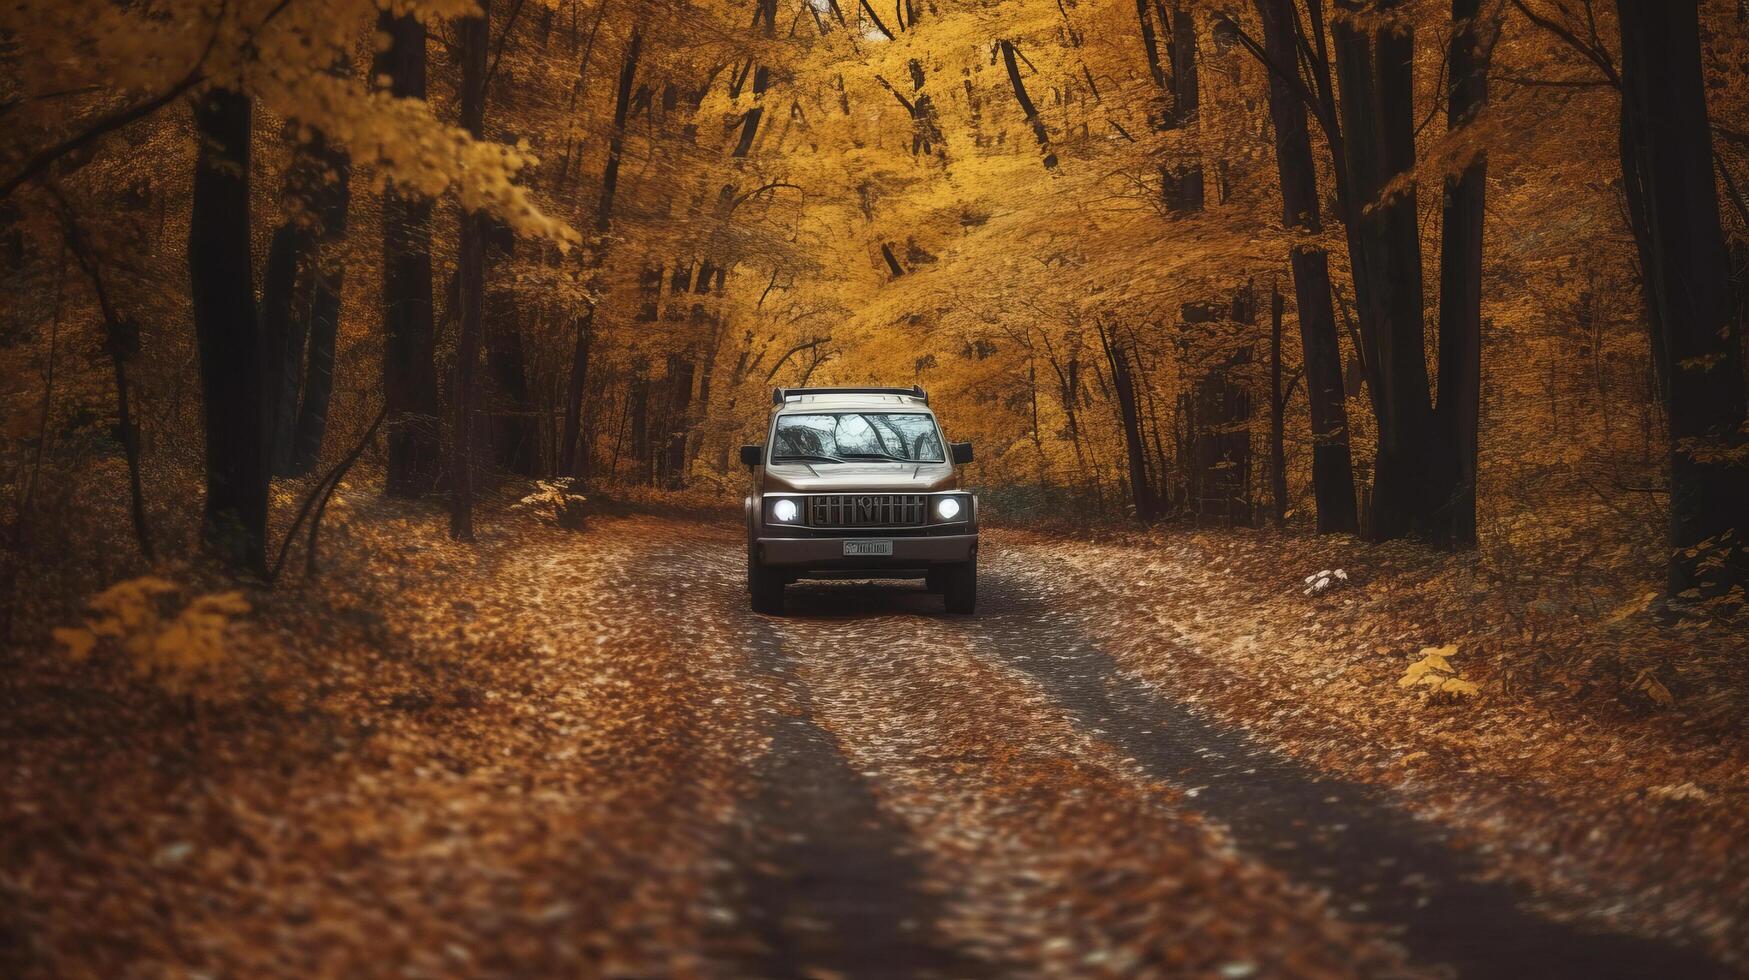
858,477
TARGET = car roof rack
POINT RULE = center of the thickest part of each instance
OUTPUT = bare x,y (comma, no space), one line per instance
781,395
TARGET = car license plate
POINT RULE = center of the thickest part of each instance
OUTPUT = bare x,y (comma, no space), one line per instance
859,548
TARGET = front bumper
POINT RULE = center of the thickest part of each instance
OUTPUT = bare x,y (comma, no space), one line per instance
827,554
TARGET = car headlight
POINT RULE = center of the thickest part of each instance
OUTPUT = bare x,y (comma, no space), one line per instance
947,508
785,511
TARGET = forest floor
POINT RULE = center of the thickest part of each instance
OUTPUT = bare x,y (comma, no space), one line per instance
578,753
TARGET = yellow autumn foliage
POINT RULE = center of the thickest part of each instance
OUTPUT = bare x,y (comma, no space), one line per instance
179,652
1435,672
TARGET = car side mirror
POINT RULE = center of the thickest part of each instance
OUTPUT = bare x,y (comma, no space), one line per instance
751,455
962,452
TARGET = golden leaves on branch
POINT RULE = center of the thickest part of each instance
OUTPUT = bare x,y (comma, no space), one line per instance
411,147
286,56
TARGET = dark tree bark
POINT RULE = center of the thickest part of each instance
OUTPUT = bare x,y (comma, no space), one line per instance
228,335
679,411
1123,383
1026,106
122,343
1278,397
471,282
285,329
571,462
639,422
1332,468
321,279
1634,195
515,439
1689,285
409,356
750,119
1186,94
1379,133
1452,507
893,265
1182,185
1150,44
616,145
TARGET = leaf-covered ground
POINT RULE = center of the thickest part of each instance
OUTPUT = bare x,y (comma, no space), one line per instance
577,753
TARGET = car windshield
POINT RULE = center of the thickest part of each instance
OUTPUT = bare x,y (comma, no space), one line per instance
842,437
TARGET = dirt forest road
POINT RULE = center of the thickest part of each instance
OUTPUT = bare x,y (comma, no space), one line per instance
580,754
995,795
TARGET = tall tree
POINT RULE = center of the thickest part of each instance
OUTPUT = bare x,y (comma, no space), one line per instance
515,434
228,334
570,461
1699,327
300,301
1375,58
1182,183
1129,414
409,357
475,36
1026,107
1451,517
1332,467
1278,399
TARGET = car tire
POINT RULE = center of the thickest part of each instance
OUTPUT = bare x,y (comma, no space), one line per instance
960,587
764,588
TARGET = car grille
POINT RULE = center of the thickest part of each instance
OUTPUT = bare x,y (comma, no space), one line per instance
868,510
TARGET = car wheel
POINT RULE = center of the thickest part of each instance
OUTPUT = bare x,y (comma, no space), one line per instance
960,587
764,588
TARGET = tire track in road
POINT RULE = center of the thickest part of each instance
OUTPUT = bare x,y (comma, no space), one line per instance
824,882
1379,864
1059,851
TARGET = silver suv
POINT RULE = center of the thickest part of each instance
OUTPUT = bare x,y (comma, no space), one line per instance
858,483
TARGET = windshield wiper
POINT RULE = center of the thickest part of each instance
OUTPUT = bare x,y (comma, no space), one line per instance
886,456
799,457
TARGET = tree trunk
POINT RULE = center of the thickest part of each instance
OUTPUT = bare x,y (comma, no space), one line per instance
1150,45
409,356
1181,185
285,331
1689,285
324,328
1332,468
515,441
233,357
329,176
1452,507
1124,388
471,282
1278,413
121,342
616,144
1026,106
639,415
573,463
750,119
678,420
1379,134
1186,97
